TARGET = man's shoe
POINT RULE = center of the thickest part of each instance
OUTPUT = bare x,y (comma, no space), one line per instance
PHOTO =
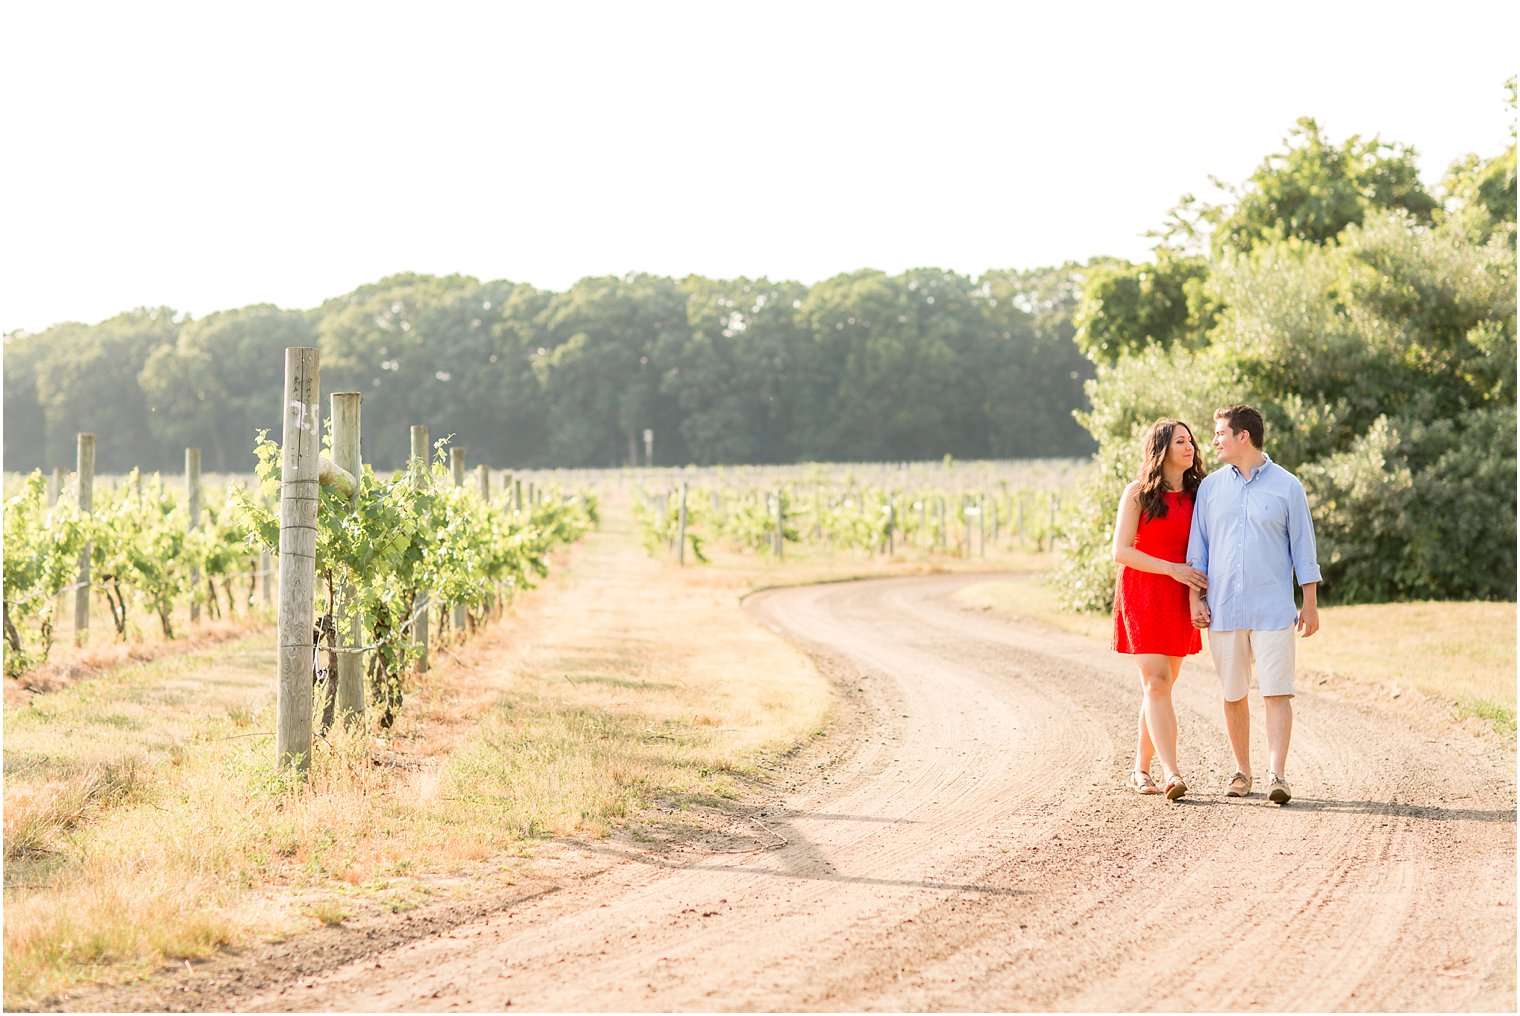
1240,786
1277,789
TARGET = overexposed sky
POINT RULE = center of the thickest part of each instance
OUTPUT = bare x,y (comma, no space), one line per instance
206,156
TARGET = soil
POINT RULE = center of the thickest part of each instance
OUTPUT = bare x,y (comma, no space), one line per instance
964,840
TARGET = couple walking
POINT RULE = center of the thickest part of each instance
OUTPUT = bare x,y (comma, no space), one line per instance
1217,551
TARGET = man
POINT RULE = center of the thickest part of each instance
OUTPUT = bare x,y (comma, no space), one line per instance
1251,534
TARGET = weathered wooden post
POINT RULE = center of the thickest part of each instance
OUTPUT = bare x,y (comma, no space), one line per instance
981,525
780,530
348,455
84,493
517,494
299,471
193,485
483,480
420,476
55,485
681,529
456,467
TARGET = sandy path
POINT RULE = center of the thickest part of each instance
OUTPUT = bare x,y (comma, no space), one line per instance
971,847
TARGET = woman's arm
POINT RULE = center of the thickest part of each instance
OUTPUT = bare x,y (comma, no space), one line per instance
1125,526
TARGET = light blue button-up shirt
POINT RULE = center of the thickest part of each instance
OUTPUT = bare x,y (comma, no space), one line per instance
1250,535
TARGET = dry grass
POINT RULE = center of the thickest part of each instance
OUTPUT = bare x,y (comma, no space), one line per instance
145,820
1462,652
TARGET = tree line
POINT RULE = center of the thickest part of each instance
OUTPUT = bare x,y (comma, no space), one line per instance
862,366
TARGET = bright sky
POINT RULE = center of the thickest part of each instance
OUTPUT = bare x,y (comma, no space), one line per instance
206,156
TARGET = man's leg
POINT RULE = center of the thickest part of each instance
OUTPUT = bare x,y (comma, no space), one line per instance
1279,732
1231,651
1275,653
1237,723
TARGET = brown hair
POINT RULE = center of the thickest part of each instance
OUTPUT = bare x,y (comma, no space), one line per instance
1152,492
1244,418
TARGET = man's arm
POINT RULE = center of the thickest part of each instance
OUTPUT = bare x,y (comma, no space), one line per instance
1302,548
1308,614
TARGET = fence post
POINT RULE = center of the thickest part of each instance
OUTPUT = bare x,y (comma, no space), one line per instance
981,525
84,493
55,485
681,534
483,478
298,556
456,466
348,455
420,476
193,485
780,531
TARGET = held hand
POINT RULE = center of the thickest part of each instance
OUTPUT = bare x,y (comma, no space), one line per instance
1201,615
1308,621
1189,576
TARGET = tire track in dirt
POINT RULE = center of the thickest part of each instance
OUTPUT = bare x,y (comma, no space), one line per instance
973,848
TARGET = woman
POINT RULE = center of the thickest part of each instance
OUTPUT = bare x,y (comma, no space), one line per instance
1152,621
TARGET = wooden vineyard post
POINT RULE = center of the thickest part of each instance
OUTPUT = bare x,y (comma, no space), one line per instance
84,493
55,485
193,485
348,455
981,525
483,478
517,494
420,476
681,529
780,530
456,467
298,556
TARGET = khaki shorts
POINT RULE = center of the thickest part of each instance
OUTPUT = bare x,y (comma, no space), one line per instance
1272,652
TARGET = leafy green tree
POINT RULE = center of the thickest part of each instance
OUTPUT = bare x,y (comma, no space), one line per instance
733,374
25,424
373,341
1126,306
1033,369
1315,189
900,356
87,382
599,378
221,382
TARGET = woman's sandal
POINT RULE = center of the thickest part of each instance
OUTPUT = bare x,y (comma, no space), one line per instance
1175,787
1142,783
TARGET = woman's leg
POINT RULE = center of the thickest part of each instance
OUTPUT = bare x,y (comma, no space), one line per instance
1158,674
1144,750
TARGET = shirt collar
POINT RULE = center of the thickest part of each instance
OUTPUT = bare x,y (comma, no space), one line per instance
1266,462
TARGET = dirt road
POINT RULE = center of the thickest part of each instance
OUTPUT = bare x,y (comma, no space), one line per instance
965,841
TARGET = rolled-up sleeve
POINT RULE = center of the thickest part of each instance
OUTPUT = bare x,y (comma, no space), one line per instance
1301,537
1198,537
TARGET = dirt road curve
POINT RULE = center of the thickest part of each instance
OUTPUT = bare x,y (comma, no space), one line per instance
971,846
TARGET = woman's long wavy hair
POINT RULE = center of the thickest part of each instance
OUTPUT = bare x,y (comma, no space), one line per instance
1152,480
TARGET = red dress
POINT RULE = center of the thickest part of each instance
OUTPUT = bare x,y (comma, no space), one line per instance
1151,612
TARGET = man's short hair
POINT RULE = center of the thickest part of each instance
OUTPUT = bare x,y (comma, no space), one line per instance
1244,418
